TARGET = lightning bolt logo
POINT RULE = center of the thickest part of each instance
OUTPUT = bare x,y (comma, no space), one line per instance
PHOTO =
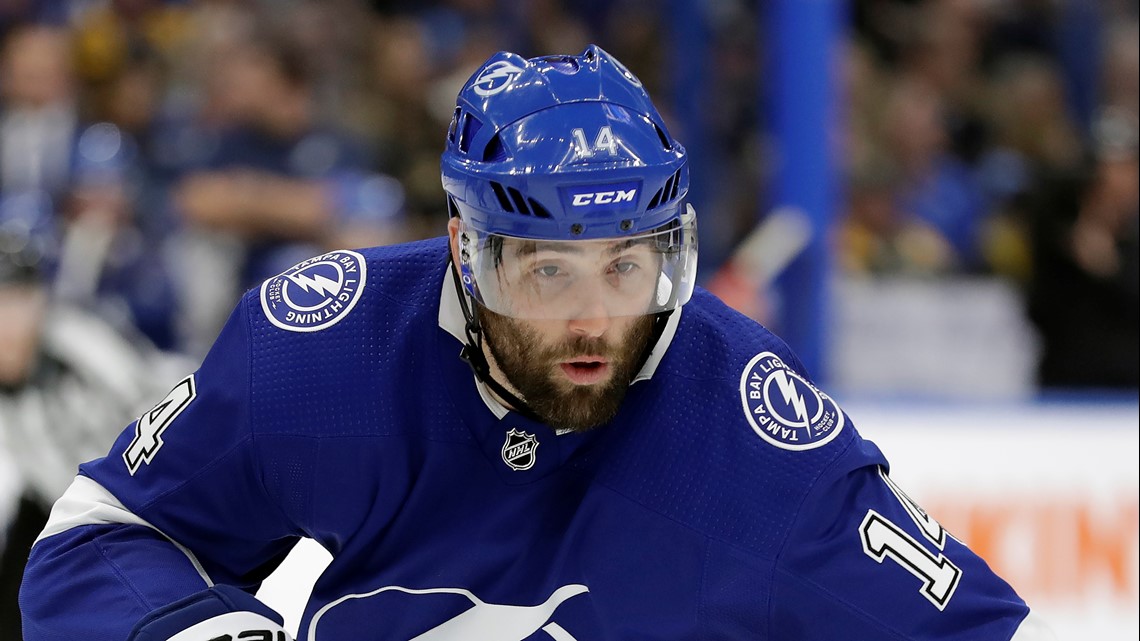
322,285
327,286
495,78
784,409
791,396
476,618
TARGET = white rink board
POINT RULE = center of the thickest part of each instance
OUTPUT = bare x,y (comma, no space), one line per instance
1047,493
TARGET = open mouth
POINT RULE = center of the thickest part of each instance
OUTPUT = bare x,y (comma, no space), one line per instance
586,370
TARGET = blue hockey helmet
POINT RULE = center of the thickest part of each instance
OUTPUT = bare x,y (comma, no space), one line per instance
566,149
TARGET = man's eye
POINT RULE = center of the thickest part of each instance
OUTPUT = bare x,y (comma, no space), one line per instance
624,267
547,270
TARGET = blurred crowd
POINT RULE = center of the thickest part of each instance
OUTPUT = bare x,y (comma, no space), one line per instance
159,157
1000,138
175,152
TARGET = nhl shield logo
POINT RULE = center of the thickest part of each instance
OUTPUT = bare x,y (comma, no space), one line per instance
518,450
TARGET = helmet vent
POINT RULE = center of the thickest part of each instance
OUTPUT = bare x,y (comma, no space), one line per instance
495,151
504,202
565,64
668,192
454,124
664,138
511,199
537,209
468,127
519,201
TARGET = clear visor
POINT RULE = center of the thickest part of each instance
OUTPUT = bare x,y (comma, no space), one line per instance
611,277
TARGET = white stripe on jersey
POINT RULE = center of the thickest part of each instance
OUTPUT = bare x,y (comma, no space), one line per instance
88,503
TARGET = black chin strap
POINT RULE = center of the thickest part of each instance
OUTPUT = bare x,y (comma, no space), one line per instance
660,320
472,352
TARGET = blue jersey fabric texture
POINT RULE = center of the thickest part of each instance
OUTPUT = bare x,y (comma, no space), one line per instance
676,521
166,622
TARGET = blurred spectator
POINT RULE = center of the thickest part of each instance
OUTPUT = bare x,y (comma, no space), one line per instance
1033,137
1029,114
69,382
913,206
404,122
89,173
945,49
877,237
1084,294
337,39
109,35
279,185
145,66
1121,73
936,186
124,162
16,13
38,113
113,241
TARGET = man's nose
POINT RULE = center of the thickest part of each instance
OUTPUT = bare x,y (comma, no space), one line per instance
593,317
591,327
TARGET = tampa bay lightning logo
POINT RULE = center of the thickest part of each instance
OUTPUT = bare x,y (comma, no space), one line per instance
495,78
784,408
315,293
441,614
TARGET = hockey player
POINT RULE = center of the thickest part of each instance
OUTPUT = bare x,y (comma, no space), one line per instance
630,460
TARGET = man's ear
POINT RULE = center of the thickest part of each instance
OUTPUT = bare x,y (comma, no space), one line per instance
453,239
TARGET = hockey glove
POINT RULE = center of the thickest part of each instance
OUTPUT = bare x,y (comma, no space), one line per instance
221,613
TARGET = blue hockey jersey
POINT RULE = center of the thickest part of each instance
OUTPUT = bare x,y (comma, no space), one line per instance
729,499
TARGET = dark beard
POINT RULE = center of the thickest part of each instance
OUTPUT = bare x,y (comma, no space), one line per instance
529,367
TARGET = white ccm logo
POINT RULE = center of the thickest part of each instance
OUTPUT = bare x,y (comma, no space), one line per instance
604,197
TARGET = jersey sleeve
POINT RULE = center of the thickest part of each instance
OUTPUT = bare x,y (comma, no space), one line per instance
864,561
178,504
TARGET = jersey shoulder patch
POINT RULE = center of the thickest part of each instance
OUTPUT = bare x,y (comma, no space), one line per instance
316,293
784,408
